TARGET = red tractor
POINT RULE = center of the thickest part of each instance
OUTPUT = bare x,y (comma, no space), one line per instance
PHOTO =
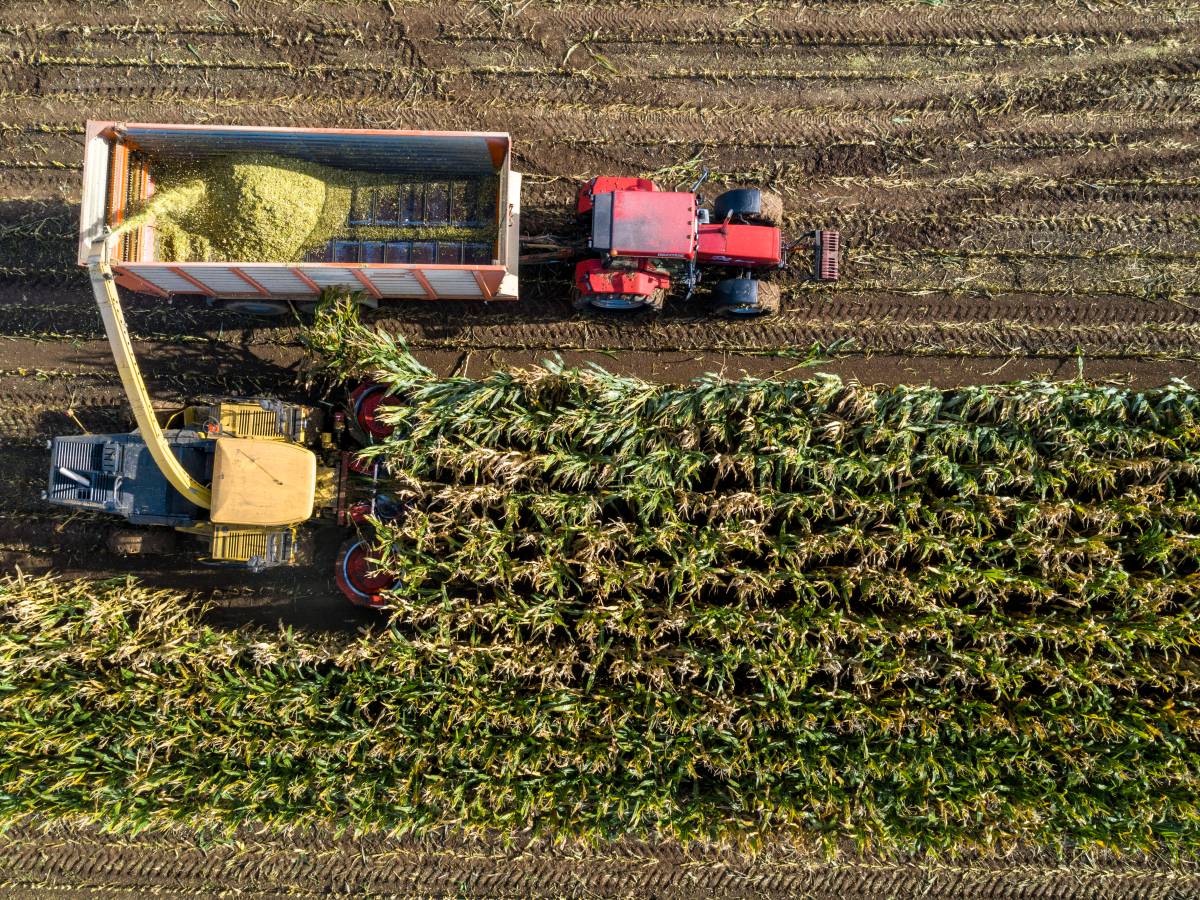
645,241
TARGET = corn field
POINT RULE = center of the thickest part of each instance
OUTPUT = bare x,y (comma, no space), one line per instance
817,614
897,619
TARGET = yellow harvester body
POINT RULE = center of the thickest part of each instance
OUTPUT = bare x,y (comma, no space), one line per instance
265,482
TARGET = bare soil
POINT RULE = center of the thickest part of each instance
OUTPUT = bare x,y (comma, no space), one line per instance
1017,185
87,863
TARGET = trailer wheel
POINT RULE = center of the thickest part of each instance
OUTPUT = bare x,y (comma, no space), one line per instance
135,542
262,308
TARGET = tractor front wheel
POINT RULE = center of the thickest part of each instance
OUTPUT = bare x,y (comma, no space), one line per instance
626,302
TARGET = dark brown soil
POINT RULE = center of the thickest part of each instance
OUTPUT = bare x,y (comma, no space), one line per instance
304,864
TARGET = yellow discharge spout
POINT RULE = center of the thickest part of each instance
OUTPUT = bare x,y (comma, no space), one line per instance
105,288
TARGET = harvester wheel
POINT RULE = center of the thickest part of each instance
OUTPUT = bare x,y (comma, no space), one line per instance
357,577
135,542
365,405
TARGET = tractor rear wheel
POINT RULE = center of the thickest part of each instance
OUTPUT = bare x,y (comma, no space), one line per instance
769,298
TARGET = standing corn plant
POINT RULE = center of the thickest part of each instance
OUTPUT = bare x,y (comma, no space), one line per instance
976,568
902,618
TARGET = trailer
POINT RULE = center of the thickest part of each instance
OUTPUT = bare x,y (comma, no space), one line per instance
440,179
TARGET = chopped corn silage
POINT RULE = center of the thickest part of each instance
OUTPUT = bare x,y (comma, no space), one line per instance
261,207
244,207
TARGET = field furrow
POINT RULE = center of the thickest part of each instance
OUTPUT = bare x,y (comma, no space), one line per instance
320,864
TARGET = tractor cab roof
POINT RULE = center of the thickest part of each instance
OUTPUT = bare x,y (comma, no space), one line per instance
262,482
645,223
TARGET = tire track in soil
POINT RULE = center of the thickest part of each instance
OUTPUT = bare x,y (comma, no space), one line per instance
882,322
44,542
311,863
59,115
220,341
1175,95
980,22
936,139
829,26
104,78
926,338
426,43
